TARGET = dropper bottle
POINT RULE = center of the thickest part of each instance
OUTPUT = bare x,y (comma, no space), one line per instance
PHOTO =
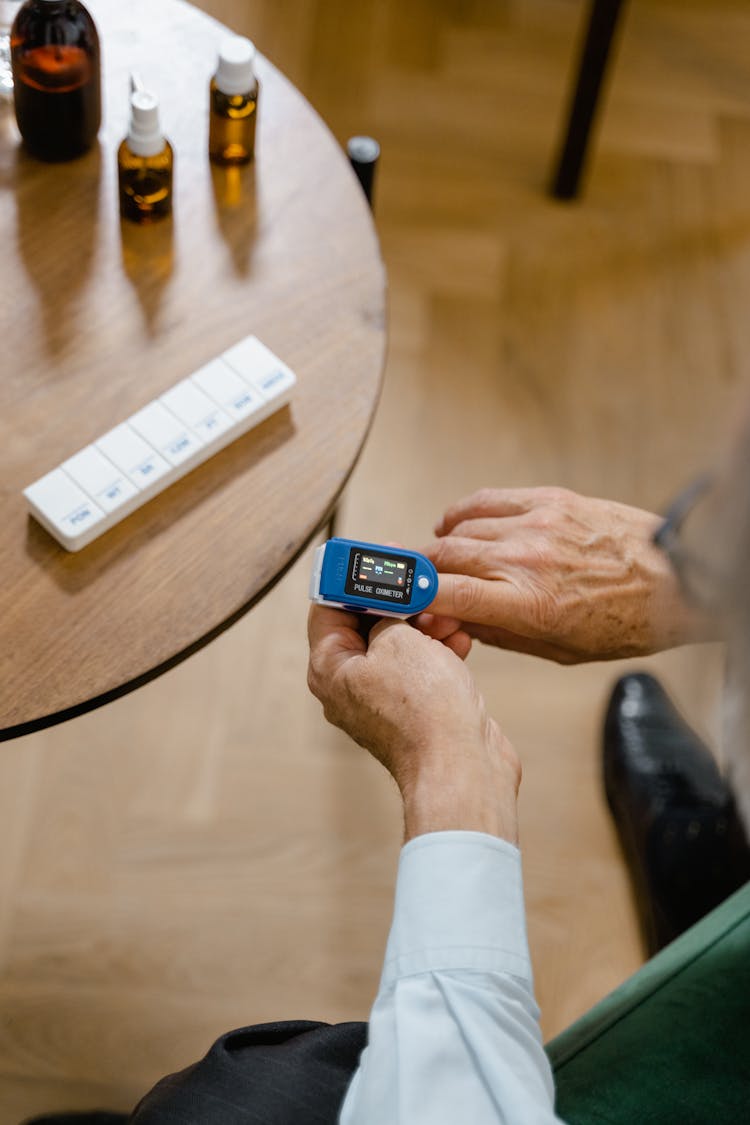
233,96
145,162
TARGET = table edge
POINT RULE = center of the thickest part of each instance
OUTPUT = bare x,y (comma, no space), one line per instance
55,718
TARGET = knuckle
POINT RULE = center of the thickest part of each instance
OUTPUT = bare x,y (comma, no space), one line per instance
484,498
544,520
353,685
314,681
555,508
464,597
318,676
441,551
560,498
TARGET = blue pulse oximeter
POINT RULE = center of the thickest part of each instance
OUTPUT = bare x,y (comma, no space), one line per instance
366,578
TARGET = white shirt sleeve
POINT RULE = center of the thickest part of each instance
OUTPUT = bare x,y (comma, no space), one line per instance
454,1033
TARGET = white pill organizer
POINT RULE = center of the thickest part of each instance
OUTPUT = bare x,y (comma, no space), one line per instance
121,471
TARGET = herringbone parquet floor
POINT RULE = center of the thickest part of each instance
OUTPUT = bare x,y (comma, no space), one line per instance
206,852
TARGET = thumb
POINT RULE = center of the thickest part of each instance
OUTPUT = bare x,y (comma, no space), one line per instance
334,639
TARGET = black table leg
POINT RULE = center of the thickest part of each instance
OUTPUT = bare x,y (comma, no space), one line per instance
602,26
364,153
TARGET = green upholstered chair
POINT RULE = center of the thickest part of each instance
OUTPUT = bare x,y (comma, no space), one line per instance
672,1044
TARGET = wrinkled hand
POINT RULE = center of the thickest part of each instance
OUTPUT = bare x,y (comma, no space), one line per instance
409,699
567,577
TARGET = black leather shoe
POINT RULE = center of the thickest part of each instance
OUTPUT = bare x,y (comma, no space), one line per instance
79,1119
675,815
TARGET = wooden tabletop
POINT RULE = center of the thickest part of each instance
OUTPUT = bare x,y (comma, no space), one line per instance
99,318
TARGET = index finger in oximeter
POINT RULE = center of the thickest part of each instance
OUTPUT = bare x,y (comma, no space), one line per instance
366,578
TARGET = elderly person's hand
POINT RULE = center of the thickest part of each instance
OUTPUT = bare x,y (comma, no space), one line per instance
409,699
562,576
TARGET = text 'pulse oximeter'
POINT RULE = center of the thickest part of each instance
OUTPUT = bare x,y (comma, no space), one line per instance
366,578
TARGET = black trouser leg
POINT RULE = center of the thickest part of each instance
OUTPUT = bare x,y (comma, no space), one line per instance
272,1074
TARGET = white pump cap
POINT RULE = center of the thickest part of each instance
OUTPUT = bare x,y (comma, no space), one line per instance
145,137
236,71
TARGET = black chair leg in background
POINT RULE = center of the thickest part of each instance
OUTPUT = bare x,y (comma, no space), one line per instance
364,153
602,27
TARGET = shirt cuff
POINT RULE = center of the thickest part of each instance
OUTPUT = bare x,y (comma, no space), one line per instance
459,906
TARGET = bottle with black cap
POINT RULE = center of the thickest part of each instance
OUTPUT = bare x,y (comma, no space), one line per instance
364,153
234,103
145,162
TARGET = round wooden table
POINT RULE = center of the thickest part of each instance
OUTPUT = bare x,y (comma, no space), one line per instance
98,318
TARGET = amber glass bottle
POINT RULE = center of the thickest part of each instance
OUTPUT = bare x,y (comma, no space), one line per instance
56,78
234,103
144,163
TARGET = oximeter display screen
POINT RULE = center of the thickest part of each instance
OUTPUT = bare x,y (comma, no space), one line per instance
387,578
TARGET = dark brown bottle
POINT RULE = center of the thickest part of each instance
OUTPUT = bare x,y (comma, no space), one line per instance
56,78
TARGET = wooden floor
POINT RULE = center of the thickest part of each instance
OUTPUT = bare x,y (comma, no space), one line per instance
207,853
